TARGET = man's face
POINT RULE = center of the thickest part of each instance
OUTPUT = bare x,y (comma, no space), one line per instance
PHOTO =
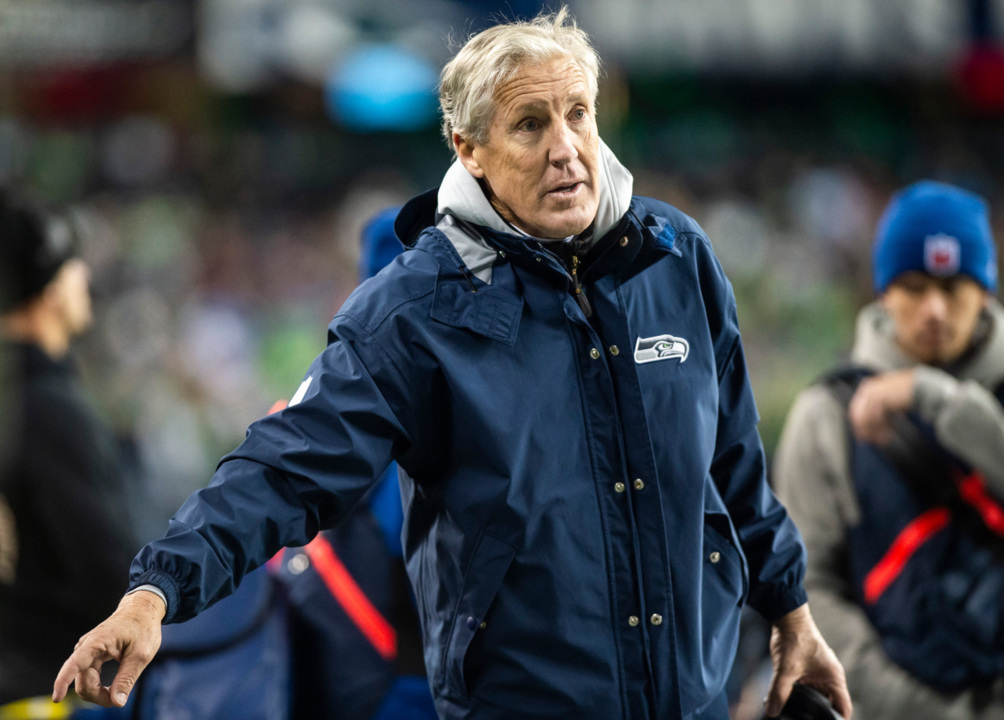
539,164
72,294
934,317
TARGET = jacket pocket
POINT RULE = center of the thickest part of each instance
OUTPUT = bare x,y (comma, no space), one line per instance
485,571
723,557
723,591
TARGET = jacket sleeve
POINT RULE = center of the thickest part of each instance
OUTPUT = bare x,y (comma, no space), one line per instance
770,541
968,420
769,538
812,478
297,472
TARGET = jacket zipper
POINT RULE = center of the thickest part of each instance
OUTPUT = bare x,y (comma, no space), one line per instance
580,296
579,291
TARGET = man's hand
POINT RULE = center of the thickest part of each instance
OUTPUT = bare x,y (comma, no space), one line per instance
130,635
800,654
877,400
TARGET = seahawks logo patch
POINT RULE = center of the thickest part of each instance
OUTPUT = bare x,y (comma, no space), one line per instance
661,347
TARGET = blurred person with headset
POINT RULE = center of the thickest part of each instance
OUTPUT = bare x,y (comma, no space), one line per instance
893,469
65,532
556,366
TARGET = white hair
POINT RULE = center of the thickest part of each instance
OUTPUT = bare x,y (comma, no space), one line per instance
491,58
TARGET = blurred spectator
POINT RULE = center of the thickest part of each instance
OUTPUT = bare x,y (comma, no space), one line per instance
893,469
63,491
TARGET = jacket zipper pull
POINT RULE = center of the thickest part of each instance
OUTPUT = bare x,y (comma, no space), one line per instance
580,296
467,275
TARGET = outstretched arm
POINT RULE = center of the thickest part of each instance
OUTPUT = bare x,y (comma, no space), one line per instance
131,635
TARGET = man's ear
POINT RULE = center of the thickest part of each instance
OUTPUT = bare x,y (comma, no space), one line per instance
466,153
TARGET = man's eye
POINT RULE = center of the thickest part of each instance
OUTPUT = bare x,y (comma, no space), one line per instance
529,126
578,114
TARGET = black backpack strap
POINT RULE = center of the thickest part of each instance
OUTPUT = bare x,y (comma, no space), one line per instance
843,381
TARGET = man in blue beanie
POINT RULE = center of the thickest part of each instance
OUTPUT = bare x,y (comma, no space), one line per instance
893,469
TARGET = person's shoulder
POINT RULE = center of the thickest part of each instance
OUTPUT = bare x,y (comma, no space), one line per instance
659,214
819,399
405,285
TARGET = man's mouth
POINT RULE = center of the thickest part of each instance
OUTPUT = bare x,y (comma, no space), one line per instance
570,189
935,337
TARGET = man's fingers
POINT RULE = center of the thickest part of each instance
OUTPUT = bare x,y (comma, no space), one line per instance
83,669
126,677
63,680
88,684
81,659
780,688
841,700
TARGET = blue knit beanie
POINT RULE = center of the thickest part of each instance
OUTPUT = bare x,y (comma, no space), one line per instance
937,229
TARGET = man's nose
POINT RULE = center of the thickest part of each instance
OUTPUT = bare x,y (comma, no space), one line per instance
935,304
562,150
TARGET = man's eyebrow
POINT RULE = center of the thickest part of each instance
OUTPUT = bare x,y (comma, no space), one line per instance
535,106
531,107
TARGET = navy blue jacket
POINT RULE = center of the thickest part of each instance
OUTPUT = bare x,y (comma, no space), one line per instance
586,502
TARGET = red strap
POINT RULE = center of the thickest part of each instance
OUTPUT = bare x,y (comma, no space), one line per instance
345,589
973,490
903,547
353,600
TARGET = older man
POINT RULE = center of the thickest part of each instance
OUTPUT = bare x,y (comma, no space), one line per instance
556,367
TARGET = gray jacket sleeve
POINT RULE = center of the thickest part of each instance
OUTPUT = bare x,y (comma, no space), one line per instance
812,479
968,421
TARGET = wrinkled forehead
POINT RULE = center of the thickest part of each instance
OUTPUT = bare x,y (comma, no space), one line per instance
540,86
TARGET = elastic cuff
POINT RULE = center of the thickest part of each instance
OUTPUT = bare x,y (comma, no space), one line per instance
150,588
162,582
776,602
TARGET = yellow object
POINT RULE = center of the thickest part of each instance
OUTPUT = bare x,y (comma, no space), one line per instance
38,708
